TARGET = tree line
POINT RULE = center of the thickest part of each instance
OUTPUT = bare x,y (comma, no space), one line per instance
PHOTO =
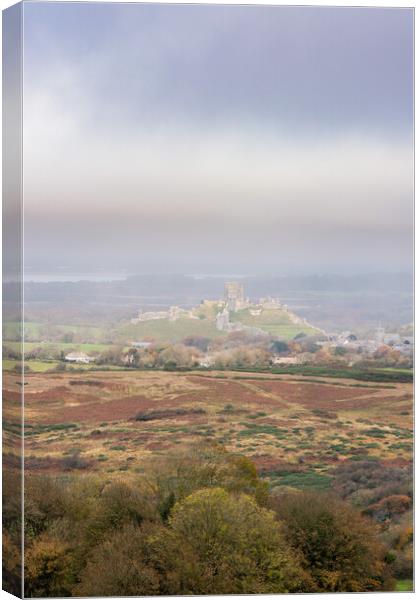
199,521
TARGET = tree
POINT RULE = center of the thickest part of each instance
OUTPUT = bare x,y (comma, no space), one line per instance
338,546
242,357
340,351
138,561
148,358
11,565
118,567
112,356
47,563
238,545
176,356
68,337
44,503
200,466
133,357
279,346
119,504
197,341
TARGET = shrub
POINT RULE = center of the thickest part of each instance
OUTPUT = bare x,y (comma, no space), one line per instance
74,461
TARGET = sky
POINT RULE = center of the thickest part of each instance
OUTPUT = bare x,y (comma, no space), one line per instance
218,139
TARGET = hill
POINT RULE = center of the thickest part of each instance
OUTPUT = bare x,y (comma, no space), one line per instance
163,330
276,322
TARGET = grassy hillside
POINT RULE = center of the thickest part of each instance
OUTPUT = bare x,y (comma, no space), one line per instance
275,321
42,331
162,330
58,346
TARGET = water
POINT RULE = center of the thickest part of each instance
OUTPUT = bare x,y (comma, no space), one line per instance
71,276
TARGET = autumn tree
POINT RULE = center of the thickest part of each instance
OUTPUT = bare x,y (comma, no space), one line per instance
47,563
11,564
238,545
149,559
120,503
177,356
339,547
199,466
242,357
197,341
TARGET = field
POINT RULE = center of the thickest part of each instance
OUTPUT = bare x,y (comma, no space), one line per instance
275,322
34,365
295,430
39,331
43,366
164,330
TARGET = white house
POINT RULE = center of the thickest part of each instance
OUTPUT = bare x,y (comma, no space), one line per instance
284,360
141,344
206,361
79,357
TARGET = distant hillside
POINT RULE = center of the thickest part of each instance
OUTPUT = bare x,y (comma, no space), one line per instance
274,321
163,330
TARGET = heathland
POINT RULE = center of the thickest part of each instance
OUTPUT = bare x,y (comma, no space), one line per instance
133,455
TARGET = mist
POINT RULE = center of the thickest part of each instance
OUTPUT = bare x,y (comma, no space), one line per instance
198,139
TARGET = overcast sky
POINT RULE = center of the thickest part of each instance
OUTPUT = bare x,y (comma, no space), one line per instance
218,139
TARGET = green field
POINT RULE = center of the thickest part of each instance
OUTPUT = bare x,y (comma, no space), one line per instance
371,374
163,330
39,366
58,346
42,366
275,321
41,331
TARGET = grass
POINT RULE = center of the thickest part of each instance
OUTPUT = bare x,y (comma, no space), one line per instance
163,330
38,366
59,346
276,322
396,370
42,366
371,375
36,330
36,429
404,585
253,429
375,432
375,375
304,481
